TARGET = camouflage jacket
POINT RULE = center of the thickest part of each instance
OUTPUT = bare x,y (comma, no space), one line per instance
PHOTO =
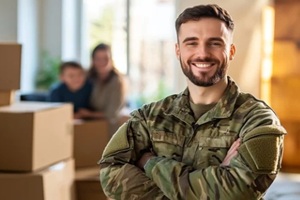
189,152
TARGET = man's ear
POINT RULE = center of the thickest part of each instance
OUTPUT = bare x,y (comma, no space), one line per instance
232,52
177,50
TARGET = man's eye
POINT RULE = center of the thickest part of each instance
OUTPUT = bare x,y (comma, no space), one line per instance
192,43
215,44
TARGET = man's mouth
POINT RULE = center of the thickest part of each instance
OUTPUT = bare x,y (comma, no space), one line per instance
202,65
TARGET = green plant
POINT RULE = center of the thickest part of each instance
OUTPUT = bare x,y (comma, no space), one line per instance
48,72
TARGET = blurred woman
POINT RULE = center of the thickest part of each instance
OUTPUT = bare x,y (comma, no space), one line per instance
107,98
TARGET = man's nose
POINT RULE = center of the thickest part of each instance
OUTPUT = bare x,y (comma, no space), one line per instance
202,51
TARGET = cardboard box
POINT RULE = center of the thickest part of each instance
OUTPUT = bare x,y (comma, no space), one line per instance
7,97
10,66
88,185
90,139
35,135
53,183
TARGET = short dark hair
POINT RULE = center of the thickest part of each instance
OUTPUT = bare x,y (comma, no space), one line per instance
69,64
200,11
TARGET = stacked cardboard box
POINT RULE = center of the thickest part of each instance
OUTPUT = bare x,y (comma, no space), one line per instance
88,184
90,139
10,61
7,97
36,140
54,182
34,135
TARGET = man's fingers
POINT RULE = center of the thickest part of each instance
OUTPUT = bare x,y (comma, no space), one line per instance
228,158
232,152
235,145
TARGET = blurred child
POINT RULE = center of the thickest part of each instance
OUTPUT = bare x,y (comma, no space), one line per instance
73,88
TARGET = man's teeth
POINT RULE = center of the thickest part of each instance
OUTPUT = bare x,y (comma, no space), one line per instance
202,65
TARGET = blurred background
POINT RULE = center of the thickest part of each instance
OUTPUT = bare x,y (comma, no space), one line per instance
142,36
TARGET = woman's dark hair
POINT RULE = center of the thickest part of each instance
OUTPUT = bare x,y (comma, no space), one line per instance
200,11
92,73
101,47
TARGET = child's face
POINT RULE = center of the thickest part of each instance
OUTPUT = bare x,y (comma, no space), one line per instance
74,78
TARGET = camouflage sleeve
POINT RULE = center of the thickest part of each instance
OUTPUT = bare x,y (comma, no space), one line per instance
248,175
119,177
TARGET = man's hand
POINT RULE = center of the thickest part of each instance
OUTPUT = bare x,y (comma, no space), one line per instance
231,152
143,160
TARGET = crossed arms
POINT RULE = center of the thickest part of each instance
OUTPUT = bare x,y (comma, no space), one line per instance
124,173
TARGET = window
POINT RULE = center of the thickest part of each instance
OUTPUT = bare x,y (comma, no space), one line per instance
142,36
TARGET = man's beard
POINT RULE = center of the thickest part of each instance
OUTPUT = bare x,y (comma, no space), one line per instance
205,81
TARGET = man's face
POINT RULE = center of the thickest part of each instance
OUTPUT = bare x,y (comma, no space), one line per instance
73,77
204,49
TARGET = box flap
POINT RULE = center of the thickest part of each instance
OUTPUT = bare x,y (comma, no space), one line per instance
25,107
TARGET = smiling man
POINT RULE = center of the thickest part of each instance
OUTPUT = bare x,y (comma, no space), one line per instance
209,142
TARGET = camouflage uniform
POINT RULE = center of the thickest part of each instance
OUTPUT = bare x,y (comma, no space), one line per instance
189,152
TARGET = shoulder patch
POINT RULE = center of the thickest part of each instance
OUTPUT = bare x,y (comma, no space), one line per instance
118,142
263,152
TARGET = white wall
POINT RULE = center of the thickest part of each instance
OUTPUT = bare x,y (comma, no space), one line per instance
245,68
28,21
52,26
8,20
70,37
18,24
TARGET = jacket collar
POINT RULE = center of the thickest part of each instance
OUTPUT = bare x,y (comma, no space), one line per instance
223,109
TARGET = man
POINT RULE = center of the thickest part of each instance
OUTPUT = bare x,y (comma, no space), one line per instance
209,142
